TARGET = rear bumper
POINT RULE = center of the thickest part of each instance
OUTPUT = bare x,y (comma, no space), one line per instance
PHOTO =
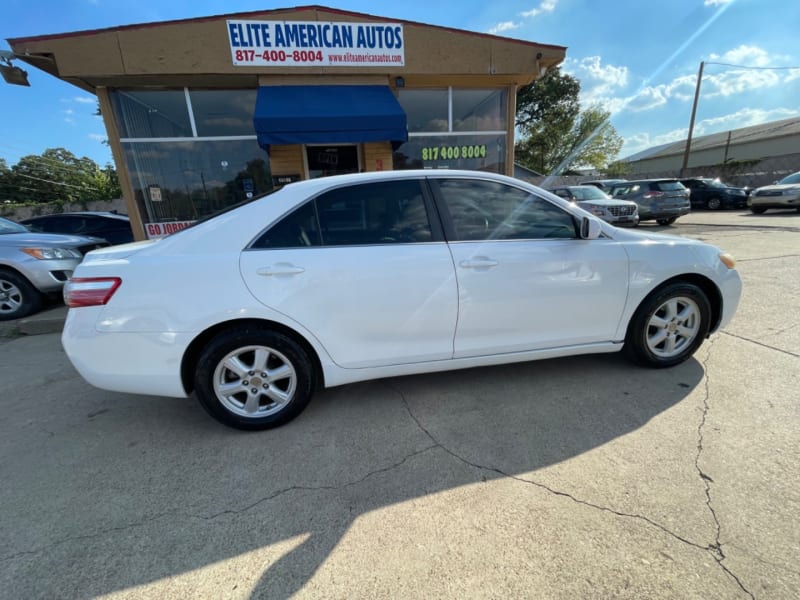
664,213
140,363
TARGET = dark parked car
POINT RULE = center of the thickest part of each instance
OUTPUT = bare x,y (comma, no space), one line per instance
713,194
110,226
661,200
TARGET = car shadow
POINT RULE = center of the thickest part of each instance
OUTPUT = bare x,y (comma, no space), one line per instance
156,489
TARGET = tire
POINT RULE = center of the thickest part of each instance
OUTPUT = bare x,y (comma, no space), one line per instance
668,221
669,326
18,298
758,210
714,203
253,378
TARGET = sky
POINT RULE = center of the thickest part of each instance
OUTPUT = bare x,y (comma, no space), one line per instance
638,59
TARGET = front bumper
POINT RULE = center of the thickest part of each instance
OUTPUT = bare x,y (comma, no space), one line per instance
782,201
48,275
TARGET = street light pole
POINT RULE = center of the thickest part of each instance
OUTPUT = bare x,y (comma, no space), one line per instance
691,121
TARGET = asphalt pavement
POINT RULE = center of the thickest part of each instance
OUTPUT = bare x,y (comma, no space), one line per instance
582,477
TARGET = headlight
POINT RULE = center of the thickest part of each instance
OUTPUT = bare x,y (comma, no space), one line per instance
594,209
738,192
52,253
727,260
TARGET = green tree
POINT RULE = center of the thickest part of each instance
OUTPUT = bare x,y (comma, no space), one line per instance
556,134
57,175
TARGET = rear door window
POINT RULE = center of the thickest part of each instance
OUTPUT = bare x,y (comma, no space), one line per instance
668,186
373,213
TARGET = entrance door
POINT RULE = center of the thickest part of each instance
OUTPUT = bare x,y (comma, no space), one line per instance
323,161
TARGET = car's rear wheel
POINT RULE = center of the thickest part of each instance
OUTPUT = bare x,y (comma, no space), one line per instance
668,326
714,203
758,210
18,298
252,377
668,221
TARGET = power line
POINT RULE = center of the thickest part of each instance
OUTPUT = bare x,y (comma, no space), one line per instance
752,68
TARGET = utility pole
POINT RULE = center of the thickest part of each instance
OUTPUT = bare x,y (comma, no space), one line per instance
691,121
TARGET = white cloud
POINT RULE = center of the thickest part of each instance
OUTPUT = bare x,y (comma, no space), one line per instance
97,137
749,56
504,26
545,7
718,80
85,99
716,2
600,83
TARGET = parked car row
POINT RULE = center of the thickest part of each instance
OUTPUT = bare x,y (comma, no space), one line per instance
664,200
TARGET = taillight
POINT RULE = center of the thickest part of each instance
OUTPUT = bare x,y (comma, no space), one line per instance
90,291
653,194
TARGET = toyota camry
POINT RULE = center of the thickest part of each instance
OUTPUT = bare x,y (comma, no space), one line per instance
341,279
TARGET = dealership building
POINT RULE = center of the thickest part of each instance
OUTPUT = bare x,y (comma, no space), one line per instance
204,113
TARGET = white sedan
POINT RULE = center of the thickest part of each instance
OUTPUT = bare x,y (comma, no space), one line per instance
342,279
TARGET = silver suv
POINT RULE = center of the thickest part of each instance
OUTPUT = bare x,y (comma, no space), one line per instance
661,200
34,265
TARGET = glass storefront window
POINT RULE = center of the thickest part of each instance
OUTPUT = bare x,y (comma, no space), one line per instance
479,110
472,152
426,110
151,114
185,181
223,112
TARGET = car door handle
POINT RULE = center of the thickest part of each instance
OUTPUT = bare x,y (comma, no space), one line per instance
280,269
479,262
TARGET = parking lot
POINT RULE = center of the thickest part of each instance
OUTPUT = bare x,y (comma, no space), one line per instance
572,478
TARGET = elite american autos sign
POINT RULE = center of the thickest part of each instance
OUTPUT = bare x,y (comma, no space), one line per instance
314,43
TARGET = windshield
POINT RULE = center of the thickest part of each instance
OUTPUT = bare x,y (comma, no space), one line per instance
589,193
7,226
793,178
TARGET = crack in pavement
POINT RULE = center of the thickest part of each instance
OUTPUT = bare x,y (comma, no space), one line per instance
216,515
306,488
744,339
715,549
89,536
744,260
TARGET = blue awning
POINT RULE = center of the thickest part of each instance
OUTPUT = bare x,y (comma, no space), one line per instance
327,114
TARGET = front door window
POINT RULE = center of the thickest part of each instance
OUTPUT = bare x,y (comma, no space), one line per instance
331,160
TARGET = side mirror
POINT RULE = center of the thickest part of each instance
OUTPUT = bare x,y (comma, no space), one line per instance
590,228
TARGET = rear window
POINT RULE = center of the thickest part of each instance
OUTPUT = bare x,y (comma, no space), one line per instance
667,186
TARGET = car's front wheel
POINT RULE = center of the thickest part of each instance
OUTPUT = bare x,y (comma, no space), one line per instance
758,210
668,221
668,326
714,203
252,377
18,298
